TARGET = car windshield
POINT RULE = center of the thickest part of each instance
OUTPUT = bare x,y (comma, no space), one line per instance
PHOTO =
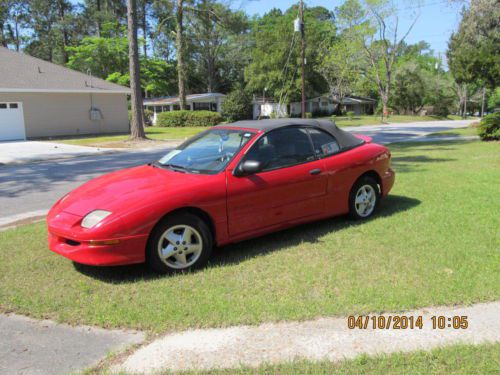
209,152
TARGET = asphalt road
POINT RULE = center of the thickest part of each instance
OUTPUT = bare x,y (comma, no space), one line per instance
31,189
28,190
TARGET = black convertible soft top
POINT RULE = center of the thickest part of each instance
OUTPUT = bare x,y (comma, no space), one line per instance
345,139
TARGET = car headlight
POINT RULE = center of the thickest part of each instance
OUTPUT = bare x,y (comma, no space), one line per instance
94,218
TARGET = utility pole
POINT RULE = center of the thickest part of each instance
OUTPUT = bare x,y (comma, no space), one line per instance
303,56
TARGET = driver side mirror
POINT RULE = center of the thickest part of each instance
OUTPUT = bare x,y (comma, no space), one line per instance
249,167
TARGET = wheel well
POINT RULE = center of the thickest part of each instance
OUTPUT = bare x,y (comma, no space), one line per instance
373,174
194,211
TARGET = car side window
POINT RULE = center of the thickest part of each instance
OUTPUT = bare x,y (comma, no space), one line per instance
324,144
282,148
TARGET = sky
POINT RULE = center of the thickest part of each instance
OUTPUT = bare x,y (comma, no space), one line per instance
437,19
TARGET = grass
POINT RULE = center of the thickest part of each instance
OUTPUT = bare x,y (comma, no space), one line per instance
464,132
456,359
435,241
152,132
375,120
178,133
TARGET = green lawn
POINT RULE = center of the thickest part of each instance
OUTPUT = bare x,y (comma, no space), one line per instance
468,131
456,359
435,241
152,132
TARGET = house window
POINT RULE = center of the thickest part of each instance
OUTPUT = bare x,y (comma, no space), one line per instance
3,105
201,106
177,107
13,105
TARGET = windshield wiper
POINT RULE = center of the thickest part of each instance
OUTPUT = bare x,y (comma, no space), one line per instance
175,167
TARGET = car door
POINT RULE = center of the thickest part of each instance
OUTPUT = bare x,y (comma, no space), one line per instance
290,187
340,167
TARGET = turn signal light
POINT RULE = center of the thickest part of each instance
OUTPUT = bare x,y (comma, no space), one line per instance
103,243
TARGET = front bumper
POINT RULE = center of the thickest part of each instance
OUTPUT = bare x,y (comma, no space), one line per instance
128,250
114,246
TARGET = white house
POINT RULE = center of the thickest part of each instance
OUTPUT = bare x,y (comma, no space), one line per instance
266,108
326,103
196,102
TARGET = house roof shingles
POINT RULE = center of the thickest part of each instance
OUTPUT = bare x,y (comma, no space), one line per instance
175,99
23,73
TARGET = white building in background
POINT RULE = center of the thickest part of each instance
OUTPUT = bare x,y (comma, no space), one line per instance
196,102
325,103
267,108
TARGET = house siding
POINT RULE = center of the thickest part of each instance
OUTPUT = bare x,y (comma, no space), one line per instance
57,114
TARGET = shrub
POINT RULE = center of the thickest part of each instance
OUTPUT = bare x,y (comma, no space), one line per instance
188,118
333,118
321,113
489,127
350,114
309,115
148,117
237,106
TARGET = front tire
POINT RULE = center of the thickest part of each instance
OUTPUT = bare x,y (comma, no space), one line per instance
179,243
364,198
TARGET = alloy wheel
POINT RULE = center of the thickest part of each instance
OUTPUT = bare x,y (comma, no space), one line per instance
180,246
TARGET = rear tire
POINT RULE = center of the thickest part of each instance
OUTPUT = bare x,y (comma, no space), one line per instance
179,243
364,198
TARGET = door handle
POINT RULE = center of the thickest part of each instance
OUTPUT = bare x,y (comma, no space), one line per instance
315,171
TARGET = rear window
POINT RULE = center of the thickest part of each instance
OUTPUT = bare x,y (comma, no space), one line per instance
324,144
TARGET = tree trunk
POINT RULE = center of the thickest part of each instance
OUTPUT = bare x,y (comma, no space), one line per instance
144,28
16,29
62,15
98,18
3,41
137,121
179,41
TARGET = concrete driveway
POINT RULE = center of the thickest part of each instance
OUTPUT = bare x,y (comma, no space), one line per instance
17,152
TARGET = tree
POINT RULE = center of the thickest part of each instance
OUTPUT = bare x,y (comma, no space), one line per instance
157,77
374,23
215,29
102,55
237,106
14,18
275,55
339,66
137,121
474,50
180,46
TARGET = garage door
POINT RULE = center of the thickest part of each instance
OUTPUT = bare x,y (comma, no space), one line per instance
11,121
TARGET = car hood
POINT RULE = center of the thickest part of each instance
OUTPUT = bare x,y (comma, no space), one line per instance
121,190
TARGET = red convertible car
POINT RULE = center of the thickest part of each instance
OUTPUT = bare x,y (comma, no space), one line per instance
228,183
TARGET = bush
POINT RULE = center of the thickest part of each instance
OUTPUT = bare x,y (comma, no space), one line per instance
309,115
321,113
350,114
489,127
237,106
333,118
188,118
148,117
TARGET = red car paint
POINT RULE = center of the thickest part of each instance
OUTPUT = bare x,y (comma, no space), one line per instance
238,207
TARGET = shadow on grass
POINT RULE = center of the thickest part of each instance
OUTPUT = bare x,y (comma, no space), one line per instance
237,253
